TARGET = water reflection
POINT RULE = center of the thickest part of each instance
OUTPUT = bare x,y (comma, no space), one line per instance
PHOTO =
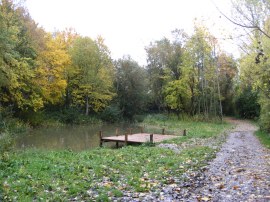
77,138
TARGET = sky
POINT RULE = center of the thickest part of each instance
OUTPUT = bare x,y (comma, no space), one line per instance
128,26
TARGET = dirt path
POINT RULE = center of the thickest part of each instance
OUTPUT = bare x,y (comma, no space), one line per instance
241,170
239,173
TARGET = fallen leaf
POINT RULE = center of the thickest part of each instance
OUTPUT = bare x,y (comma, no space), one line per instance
219,186
205,199
235,187
240,170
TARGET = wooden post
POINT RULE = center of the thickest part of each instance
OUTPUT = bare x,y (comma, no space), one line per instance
100,138
184,132
126,139
141,129
151,138
163,131
117,133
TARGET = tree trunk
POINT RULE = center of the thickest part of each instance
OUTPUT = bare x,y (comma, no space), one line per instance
87,106
219,97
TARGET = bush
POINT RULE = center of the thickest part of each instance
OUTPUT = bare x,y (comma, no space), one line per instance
264,137
69,116
265,113
247,104
6,144
112,114
139,118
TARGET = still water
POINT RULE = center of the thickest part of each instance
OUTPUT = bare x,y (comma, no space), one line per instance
76,138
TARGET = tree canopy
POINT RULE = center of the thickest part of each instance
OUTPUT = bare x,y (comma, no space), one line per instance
185,74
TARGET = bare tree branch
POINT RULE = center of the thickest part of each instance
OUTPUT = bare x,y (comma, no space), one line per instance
242,25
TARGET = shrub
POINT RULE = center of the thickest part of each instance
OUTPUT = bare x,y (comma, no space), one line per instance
112,114
247,104
6,143
265,113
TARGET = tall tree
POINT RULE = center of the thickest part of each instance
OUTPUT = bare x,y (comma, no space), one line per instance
92,76
250,14
200,52
131,87
52,64
17,59
165,59
254,15
227,77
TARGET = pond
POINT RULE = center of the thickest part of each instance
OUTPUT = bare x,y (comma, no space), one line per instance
74,137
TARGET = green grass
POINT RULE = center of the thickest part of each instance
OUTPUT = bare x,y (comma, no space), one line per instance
195,129
264,138
102,173
64,175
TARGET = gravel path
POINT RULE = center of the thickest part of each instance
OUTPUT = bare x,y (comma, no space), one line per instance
240,172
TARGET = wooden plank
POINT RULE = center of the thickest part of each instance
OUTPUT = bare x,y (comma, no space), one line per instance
138,138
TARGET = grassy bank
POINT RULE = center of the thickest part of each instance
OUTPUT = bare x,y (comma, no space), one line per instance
103,173
195,129
264,138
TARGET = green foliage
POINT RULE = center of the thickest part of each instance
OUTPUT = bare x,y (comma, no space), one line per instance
91,83
6,144
17,59
228,72
254,62
69,116
265,113
131,87
177,95
264,137
139,118
165,61
247,105
112,114
188,76
9,128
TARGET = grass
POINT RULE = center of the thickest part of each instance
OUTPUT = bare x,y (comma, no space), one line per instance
195,129
65,175
102,173
264,138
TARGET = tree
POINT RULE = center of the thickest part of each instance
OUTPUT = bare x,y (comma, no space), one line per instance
250,14
178,95
52,64
131,87
227,77
255,72
165,60
17,59
204,80
156,62
92,79
247,103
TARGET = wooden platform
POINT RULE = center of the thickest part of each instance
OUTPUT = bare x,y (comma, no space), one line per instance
137,138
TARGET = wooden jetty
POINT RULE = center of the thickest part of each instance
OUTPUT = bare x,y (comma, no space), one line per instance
138,138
